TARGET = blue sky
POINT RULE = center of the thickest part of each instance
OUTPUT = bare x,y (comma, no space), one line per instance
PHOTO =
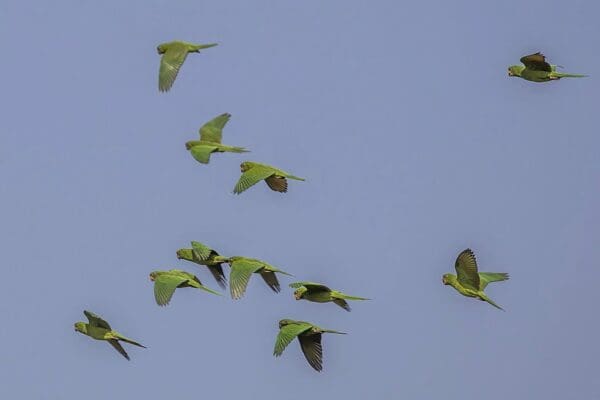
415,145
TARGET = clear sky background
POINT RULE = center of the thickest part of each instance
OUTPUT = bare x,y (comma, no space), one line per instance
415,144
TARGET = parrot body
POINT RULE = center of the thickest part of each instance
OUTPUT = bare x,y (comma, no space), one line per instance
165,283
536,69
468,281
308,335
253,172
99,329
319,293
204,255
210,140
242,269
173,56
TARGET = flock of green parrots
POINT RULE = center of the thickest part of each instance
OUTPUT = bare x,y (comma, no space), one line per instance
468,281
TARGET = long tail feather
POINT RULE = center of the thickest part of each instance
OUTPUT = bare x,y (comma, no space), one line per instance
237,150
332,331
561,75
125,339
485,298
345,296
206,46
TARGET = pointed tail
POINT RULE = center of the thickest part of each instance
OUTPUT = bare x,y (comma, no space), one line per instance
561,75
295,177
233,149
485,298
346,297
126,339
332,331
205,46
209,290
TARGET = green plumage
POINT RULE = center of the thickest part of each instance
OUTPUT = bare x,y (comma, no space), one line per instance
165,283
308,335
468,281
320,293
173,56
536,69
253,172
99,329
204,255
242,269
210,140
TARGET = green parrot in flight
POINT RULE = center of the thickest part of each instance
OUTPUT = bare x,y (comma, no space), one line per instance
536,69
165,283
204,255
173,56
241,270
253,172
468,281
320,293
99,329
308,335
210,140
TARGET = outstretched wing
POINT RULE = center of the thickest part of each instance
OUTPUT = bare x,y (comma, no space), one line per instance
170,63
487,277
251,177
217,271
201,153
115,343
466,269
342,303
241,270
316,287
288,333
311,347
212,131
536,62
95,320
164,287
271,279
201,251
277,183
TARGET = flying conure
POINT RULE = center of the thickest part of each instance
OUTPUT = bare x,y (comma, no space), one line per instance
173,55
241,270
165,283
536,69
204,255
468,281
322,294
210,140
253,172
309,336
99,329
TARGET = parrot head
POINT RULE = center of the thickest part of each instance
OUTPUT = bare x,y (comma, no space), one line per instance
515,70
285,322
80,327
298,293
186,254
446,279
161,49
190,144
245,166
153,275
